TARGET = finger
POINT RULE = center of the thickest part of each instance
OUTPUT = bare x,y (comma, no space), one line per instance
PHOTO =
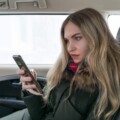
31,88
25,79
21,72
23,84
34,92
28,86
34,73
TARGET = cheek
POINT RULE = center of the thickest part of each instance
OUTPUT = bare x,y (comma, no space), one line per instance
83,48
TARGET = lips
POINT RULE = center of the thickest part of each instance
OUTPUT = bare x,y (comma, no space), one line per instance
76,58
74,55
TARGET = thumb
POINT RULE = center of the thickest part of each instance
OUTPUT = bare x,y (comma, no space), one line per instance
34,73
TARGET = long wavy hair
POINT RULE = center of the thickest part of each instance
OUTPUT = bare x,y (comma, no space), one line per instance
101,65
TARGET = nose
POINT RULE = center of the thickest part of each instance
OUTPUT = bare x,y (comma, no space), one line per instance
71,47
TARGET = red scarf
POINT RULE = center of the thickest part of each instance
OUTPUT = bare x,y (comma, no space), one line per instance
72,66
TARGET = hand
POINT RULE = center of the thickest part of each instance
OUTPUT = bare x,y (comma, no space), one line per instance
27,83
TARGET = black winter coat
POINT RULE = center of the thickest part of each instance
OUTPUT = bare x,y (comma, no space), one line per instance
78,106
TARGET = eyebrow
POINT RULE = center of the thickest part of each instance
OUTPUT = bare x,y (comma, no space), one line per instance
73,35
76,34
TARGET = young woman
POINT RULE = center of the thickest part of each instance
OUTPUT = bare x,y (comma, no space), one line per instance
84,84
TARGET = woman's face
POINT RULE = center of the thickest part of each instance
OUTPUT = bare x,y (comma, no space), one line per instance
77,45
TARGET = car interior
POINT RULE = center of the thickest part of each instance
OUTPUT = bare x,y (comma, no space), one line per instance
10,93
27,14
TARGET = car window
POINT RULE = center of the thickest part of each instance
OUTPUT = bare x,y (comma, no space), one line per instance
35,37
114,24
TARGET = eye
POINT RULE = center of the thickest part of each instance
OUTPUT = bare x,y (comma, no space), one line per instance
78,37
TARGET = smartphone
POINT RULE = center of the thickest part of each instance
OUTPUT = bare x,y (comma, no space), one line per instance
21,64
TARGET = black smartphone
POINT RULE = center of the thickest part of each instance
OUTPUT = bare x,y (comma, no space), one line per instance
21,64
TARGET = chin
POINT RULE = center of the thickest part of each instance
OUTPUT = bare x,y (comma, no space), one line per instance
76,61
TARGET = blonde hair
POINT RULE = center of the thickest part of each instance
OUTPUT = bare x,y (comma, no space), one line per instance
102,66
